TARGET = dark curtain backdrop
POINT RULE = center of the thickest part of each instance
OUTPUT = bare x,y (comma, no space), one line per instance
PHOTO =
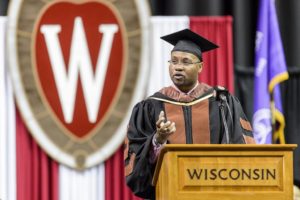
244,13
3,7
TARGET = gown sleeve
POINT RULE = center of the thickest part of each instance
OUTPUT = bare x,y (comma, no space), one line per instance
240,127
138,168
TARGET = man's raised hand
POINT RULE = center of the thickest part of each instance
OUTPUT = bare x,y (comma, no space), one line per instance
163,128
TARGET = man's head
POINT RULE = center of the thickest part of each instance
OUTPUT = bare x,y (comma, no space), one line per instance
184,69
186,57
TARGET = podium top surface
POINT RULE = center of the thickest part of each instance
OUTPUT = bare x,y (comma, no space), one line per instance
227,147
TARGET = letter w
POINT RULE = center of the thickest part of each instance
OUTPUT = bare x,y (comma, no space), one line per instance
195,173
79,62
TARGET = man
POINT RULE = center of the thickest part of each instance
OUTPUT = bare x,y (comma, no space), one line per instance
186,112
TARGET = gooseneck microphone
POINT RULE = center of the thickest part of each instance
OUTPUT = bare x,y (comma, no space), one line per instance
221,96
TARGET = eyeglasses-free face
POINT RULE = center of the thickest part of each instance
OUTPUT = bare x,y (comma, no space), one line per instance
184,69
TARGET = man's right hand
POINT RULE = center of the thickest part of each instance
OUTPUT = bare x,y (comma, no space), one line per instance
163,129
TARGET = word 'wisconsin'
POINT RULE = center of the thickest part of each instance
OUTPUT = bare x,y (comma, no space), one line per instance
231,174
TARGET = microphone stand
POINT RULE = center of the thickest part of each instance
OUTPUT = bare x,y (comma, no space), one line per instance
223,103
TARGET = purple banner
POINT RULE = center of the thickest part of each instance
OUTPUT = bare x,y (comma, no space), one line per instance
270,69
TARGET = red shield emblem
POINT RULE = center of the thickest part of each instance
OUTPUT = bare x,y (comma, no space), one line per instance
79,62
77,66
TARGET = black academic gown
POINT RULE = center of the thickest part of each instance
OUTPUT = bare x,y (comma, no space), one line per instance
198,121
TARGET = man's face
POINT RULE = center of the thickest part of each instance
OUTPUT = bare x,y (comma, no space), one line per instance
184,73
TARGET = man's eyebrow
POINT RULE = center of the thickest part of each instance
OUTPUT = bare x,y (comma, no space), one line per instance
187,59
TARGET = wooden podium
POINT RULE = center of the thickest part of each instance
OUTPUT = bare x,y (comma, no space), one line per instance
227,172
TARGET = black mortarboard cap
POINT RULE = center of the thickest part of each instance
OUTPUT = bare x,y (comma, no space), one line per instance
188,41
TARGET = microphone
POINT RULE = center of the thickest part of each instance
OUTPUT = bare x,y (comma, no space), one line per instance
221,95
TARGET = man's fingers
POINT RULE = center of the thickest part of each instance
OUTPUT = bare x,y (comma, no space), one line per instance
166,130
170,132
168,125
173,129
172,125
165,125
161,118
159,121
161,114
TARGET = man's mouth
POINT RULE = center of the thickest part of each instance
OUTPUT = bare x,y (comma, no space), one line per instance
178,76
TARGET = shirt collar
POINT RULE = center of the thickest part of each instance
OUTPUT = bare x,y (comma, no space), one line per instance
189,92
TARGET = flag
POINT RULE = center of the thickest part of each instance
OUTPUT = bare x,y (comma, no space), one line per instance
270,70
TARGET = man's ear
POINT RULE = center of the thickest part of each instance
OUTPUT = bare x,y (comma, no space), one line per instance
200,67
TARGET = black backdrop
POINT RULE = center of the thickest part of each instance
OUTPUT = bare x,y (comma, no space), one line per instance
244,13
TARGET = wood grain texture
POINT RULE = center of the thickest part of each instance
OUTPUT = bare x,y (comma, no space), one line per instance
272,180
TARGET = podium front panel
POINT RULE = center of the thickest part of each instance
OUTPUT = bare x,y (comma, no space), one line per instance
226,174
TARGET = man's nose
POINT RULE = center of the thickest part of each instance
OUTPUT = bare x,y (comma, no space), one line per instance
179,67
